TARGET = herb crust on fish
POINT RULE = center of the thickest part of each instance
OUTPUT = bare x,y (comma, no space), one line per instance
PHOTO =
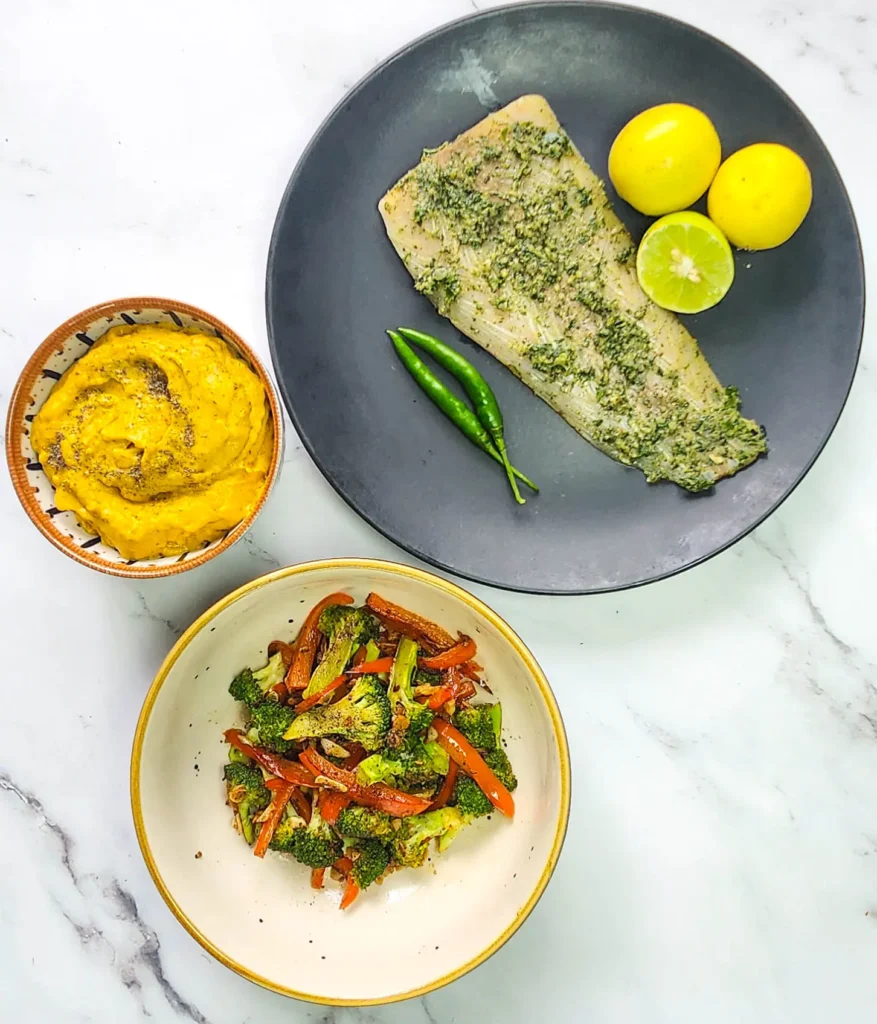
509,233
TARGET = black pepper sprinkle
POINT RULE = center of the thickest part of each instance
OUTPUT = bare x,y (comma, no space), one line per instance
156,381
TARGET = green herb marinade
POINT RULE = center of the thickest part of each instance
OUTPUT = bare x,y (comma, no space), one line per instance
511,209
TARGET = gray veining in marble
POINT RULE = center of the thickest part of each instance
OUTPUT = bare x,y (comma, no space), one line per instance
721,863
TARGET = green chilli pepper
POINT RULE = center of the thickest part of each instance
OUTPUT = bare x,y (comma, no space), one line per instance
476,387
450,404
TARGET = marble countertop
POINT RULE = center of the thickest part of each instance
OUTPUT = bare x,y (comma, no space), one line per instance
721,863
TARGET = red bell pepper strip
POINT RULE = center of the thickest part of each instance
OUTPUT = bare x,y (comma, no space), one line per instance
351,891
439,697
393,801
379,795
299,674
301,804
320,765
332,803
468,758
279,766
446,788
427,633
287,650
372,667
356,753
341,692
455,687
315,698
298,800
459,654
465,690
279,799
317,876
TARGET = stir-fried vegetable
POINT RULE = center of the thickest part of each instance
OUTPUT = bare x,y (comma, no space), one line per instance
302,663
351,760
468,758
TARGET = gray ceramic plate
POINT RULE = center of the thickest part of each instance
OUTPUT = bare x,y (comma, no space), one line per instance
787,335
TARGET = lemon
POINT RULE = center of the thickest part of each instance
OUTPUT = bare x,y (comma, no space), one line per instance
665,158
684,263
761,195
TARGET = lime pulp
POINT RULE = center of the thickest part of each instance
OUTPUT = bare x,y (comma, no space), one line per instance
684,263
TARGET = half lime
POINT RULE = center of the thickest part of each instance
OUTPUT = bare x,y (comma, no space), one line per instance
684,263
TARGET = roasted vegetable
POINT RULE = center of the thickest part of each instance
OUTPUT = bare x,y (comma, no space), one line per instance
361,775
481,724
370,860
410,844
363,715
269,722
254,687
347,629
407,714
364,823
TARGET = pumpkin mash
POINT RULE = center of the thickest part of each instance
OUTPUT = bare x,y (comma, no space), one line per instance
159,439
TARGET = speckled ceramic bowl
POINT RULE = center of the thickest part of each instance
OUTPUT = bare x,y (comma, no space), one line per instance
419,929
43,370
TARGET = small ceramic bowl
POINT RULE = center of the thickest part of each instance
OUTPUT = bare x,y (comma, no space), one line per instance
45,367
418,930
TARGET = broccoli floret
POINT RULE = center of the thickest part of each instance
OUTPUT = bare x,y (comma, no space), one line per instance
378,768
251,687
284,837
410,844
481,725
371,862
416,765
248,792
469,798
316,845
499,763
425,677
363,823
363,715
255,792
347,629
271,720
403,706
245,688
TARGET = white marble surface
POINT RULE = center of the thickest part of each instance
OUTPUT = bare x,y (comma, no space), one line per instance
721,863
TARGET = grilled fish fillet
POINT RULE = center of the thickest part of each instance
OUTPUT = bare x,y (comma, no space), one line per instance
509,232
